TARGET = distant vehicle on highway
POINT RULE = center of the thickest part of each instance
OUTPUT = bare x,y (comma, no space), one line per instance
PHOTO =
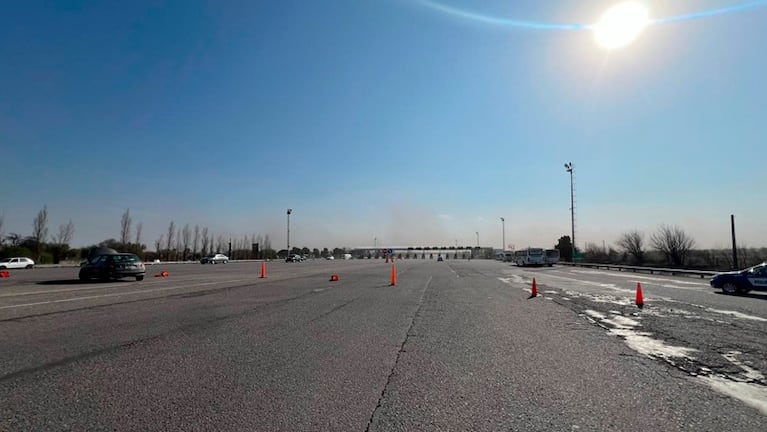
215,259
530,257
330,257
294,258
113,266
552,256
743,281
16,263
439,258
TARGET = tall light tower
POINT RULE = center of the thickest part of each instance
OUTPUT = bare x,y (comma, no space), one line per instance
569,167
289,212
503,228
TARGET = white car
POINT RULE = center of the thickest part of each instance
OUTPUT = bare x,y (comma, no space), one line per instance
16,263
215,259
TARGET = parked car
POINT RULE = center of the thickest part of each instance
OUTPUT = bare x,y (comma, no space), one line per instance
439,258
215,259
113,266
16,263
294,258
330,257
743,281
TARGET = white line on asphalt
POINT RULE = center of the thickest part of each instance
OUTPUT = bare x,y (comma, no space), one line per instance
113,295
635,276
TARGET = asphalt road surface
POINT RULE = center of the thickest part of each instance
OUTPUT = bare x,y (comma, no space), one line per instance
456,345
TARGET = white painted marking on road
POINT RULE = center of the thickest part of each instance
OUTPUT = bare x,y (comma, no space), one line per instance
635,277
750,374
595,314
113,295
737,314
621,322
643,344
753,395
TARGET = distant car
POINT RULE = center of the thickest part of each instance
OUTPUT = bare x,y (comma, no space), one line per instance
741,282
113,266
439,258
294,258
330,257
17,263
214,259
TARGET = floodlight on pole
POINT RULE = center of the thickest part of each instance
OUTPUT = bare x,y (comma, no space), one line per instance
569,167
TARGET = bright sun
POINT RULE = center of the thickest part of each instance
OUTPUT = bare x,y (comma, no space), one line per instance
621,25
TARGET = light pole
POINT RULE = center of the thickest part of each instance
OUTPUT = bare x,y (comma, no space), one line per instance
289,212
477,233
569,167
503,227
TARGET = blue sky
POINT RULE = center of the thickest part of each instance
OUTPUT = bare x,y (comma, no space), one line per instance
380,119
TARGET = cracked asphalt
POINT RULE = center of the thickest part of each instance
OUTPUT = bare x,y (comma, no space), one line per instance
456,345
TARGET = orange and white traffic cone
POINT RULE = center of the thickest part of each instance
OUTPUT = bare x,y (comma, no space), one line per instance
393,275
640,296
263,270
534,291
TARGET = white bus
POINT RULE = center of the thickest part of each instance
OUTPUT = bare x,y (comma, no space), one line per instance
530,257
552,256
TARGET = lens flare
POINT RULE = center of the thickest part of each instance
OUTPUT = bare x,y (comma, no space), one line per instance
621,25
618,27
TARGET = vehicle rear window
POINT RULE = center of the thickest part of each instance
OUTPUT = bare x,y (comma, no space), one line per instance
126,259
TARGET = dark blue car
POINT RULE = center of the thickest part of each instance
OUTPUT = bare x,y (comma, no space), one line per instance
741,282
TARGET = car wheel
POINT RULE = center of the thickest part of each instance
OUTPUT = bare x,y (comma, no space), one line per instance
730,288
2,267
225,261
139,278
29,266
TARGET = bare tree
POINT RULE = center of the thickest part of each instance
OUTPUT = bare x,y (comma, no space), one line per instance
267,242
65,234
204,241
195,241
125,223
40,230
632,242
158,245
186,235
170,237
178,243
220,244
139,228
2,233
673,243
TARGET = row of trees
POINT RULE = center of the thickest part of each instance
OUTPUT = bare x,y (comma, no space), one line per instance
668,245
37,245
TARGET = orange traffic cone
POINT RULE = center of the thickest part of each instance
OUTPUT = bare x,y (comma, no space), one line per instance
163,274
334,278
393,275
4,274
640,296
534,292
263,270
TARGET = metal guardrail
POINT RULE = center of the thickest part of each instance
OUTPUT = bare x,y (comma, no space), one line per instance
651,270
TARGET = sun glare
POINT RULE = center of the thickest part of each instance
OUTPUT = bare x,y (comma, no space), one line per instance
620,25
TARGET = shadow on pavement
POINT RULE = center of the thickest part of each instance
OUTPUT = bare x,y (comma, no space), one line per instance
758,296
77,282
